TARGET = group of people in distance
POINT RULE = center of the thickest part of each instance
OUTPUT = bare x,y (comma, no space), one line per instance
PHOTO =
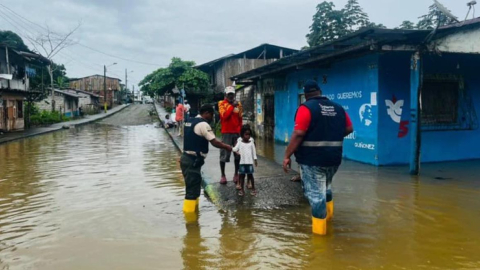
317,142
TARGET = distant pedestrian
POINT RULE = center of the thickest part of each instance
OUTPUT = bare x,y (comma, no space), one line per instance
231,113
248,157
179,117
198,134
317,141
168,122
187,108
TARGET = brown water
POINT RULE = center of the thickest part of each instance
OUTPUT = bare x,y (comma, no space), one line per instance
106,197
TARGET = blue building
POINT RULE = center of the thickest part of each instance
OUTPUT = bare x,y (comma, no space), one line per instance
406,91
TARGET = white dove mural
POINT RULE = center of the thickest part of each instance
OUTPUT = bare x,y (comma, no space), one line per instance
394,109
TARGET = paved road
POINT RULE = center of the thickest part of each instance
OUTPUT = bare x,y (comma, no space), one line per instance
134,115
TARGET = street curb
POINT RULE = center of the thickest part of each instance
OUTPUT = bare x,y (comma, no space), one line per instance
61,128
209,190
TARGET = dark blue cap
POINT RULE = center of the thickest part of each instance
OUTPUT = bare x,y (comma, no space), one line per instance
310,86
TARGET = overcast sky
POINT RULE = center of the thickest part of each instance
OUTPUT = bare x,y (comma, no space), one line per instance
154,31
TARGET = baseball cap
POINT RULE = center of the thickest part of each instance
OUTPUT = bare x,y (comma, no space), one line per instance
229,90
310,86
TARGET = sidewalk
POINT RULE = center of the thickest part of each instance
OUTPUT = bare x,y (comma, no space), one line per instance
13,136
273,185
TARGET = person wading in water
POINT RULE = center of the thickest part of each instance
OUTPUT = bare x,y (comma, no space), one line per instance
317,142
198,134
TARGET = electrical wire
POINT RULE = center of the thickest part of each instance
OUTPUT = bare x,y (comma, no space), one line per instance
80,44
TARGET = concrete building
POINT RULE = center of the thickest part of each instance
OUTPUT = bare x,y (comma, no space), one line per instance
88,101
64,102
95,85
16,68
397,86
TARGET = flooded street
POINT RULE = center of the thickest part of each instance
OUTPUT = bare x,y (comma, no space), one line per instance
110,197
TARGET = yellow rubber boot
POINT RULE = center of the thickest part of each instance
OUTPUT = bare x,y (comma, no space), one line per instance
191,217
319,226
189,206
329,210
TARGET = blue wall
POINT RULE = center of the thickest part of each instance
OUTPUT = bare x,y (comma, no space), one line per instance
349,83
394,79
394,82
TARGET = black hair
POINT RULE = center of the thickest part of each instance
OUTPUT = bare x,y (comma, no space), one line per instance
168,115
206,108
244,129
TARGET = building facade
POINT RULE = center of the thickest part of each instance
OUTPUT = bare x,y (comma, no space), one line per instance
63,101
95,85
380,78
88,101
16,67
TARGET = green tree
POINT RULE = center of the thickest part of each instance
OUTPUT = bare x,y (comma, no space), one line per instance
433,18
407,25
354,16
13,40
179,73
328,24
374,25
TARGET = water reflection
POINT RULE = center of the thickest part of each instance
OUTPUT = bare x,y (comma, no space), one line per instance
110,197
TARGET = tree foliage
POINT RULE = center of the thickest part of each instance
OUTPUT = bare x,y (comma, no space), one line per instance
13,40
354,16
330,24
180,74
407,25
433,18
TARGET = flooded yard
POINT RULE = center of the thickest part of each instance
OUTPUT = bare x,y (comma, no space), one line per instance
110,197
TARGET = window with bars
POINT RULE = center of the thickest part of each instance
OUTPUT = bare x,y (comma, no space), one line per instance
446,104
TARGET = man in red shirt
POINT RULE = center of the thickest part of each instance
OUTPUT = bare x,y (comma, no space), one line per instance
179,117
317,141
231,117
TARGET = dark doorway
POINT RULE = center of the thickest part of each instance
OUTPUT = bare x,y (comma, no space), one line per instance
269,123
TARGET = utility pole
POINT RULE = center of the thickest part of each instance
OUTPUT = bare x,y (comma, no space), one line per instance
126,84
105,88
8,64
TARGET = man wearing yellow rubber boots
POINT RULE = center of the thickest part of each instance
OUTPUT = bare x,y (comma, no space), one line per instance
317,142
197,135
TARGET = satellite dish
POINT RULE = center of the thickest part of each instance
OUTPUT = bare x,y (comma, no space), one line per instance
445,11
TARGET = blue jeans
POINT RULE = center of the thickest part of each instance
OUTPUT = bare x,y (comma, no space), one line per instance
317,187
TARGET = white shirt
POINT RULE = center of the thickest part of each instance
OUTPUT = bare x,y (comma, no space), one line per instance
247,152
251,140
187,107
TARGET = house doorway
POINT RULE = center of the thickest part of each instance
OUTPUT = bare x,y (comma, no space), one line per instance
269,123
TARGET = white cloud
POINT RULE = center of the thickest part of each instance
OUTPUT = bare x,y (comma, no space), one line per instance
154,31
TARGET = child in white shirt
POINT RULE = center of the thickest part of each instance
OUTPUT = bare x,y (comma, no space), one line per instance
248,157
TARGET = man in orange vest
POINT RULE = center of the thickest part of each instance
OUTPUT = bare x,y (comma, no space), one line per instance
231,113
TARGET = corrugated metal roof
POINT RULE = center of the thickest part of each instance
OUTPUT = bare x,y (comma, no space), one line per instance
259,48
66,93
363,40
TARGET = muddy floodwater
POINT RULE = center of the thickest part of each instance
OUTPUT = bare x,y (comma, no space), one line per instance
110,197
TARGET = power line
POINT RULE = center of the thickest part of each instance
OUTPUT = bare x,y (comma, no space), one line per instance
118,57
18,15
83,45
